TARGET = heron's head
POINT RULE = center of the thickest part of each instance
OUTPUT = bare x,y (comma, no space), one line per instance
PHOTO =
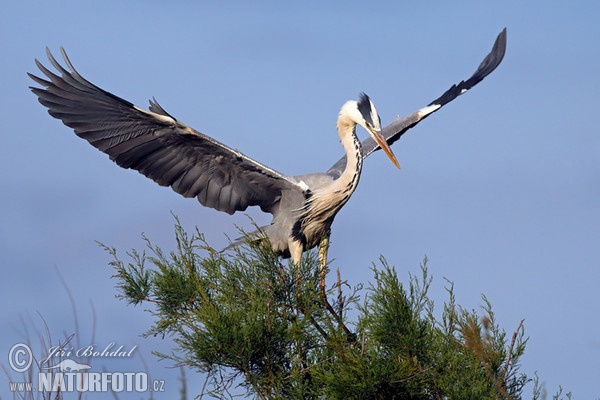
364,113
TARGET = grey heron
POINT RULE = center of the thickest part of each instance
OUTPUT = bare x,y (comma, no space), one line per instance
173,154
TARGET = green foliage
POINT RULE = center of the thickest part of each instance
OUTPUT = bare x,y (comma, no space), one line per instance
251,323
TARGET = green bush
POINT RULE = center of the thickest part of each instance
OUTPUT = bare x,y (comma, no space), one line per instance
250,322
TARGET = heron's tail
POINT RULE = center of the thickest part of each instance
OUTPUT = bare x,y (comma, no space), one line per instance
256,236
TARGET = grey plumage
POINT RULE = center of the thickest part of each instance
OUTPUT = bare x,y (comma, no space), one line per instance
195,165
163,149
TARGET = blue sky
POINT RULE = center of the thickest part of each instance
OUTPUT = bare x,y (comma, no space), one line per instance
500,189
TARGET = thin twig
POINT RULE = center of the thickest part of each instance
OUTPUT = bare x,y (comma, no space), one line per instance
338,318
208,376
512,346
340,296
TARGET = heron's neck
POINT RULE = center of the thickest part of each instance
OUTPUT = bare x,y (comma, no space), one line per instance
353,148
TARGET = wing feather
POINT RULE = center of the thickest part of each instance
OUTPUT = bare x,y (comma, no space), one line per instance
157,145
396,129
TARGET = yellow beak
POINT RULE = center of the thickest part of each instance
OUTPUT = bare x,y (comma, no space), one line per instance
383,144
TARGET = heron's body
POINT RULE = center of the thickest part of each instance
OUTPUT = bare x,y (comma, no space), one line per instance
310,222
195,165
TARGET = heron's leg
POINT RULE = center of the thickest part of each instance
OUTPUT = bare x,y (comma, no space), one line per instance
295,251
296,255
323,248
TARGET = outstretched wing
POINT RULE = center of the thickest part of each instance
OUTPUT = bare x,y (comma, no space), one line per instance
157,145
396,129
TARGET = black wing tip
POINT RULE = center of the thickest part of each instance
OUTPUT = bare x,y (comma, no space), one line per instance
35,78
492,60
502,37
500,46
54,63
487,66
